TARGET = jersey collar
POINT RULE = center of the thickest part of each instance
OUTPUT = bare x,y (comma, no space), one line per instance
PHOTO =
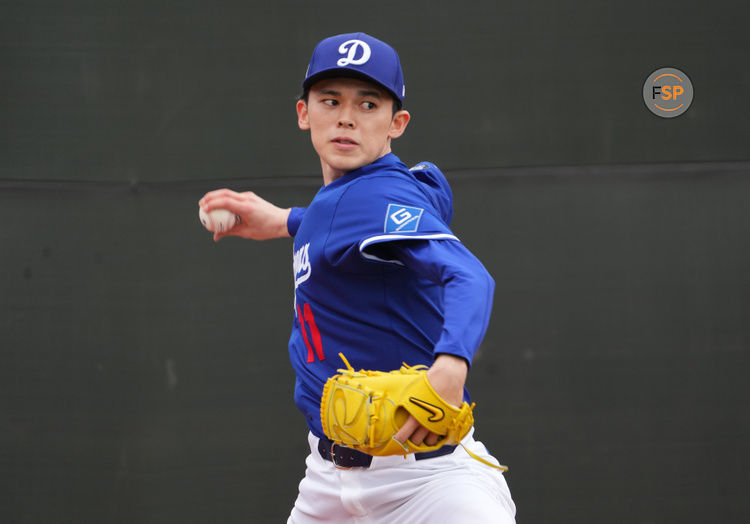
384,162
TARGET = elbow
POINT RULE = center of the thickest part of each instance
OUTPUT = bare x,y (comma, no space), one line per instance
482,281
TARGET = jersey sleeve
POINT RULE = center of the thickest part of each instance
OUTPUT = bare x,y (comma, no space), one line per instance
379,210
294,220
467,296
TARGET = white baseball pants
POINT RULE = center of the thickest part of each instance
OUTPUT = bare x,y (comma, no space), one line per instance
451,489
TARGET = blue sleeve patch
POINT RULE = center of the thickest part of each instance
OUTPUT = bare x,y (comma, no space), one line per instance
402,219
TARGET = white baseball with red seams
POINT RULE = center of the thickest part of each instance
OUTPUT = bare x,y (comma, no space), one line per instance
218,220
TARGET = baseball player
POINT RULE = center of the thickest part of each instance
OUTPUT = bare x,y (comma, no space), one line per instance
379,277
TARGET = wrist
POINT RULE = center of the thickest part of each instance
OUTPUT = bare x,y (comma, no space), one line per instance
447,375
451,362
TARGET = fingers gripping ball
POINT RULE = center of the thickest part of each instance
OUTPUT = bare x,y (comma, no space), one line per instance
218,220
364,410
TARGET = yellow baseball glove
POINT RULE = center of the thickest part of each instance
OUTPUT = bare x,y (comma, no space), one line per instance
364,410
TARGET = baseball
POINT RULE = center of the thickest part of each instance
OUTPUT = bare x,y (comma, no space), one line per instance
218,220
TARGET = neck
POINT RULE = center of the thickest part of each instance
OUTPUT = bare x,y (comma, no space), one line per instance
331,173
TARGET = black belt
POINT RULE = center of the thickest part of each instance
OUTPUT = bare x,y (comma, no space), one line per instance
344,457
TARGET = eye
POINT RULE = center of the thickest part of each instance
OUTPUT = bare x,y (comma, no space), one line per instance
330,102
369,106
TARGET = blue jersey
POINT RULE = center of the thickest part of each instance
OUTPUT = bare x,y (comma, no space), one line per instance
358,294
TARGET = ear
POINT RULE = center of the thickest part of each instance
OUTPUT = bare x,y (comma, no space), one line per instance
303,119
399,123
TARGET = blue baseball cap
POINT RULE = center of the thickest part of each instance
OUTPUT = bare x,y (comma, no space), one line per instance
357,55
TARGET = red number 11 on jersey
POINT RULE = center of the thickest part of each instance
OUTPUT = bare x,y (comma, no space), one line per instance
316,341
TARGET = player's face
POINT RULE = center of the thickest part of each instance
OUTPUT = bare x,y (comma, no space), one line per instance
351,124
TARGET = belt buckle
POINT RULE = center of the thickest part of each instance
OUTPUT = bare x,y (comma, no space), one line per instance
333,458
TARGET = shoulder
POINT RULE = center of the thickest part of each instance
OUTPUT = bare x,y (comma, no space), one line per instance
423,186
376,197
424,180
382,183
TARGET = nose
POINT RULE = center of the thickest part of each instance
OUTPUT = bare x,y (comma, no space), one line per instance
345,118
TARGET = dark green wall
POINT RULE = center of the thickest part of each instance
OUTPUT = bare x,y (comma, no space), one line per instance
138,359
145,378
165,91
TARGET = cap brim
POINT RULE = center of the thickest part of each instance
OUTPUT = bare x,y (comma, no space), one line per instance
340,72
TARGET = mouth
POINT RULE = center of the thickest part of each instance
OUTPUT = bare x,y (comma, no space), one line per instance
344,142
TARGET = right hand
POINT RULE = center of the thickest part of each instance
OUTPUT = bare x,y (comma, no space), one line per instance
260,220
447,376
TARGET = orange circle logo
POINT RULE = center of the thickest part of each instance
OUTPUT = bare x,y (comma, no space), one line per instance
668,92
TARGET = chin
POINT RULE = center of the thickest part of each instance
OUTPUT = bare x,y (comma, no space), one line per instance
344,163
